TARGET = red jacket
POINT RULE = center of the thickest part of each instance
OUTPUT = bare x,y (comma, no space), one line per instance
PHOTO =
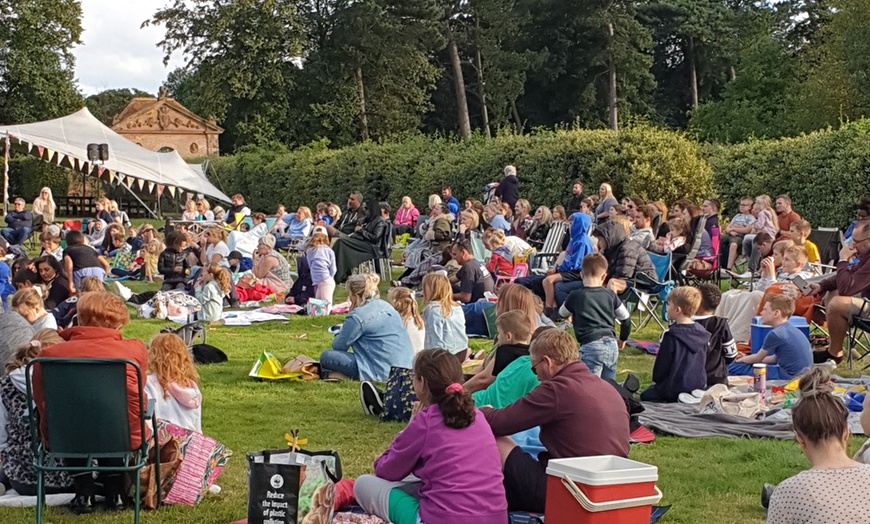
97,342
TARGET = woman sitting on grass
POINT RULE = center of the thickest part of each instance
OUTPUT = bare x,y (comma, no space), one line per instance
172,382
834,489
448,446
375,332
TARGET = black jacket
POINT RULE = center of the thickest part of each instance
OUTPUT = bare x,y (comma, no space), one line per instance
350,219
508,190
625,257
166,264
572,205
377,233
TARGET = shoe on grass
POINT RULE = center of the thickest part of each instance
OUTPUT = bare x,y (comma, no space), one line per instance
370,398
123,291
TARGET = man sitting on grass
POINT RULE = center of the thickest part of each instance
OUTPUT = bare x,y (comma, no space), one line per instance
784,346
580,415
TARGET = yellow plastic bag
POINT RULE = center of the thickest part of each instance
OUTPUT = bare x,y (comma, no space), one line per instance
268,367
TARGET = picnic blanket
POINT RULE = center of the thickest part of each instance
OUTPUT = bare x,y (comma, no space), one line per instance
11,499
683,420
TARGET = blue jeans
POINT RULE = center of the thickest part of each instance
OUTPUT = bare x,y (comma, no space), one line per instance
738,368
14,236
600,357
563,289
340,361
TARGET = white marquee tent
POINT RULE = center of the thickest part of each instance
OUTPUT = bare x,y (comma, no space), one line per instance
63,142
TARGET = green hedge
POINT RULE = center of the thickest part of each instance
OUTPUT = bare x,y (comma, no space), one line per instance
640,161
825,173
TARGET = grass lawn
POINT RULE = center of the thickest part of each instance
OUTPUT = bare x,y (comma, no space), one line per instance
706,480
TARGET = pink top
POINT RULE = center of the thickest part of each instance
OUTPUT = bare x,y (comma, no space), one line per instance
460,469
764,222
406,217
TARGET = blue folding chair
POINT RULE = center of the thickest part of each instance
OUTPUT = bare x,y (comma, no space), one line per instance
649,295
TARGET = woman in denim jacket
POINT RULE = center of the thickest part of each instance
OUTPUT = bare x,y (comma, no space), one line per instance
375,332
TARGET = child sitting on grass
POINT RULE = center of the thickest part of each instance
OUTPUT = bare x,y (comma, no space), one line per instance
403,301
80,260
786,350
28,303
679,365
443,318
722,350
172,382
514,336
216,285
594,309
799,231
448,446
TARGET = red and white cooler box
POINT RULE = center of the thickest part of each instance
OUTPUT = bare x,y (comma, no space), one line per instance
600,490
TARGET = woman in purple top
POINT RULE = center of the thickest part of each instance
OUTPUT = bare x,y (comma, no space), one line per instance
444,468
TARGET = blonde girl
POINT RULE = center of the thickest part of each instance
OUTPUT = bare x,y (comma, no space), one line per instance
190,212
28,303
216,285
402,299
173,382
321,261
443,318
204,210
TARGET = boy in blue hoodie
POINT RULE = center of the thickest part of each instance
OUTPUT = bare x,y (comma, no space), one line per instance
569,270
680,363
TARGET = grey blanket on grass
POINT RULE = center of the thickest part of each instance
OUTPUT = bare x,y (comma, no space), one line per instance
683,420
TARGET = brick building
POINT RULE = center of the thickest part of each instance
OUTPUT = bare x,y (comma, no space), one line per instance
162,124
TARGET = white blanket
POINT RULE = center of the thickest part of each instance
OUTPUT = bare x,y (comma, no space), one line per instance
739,306
11,499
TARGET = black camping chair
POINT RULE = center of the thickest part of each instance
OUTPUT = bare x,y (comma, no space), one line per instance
86,417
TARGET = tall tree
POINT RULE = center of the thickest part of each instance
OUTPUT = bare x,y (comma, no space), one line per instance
36,62
367,72
836,84
245,54
692,58
106,104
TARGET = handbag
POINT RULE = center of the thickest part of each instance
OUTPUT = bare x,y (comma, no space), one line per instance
317,307
290,487
170,461
399,397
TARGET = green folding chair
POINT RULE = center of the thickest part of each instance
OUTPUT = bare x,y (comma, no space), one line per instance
86,417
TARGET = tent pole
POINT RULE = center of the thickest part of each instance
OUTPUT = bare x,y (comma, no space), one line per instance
139,199
5,173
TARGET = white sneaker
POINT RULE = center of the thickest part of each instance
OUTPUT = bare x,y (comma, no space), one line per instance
125,292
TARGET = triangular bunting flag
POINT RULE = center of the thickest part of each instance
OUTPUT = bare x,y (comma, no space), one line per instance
150,187
141,183
171,190
39,151
100,170
160,189
111,175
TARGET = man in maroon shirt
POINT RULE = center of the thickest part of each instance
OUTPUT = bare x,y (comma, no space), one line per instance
785,216
579,414
846,290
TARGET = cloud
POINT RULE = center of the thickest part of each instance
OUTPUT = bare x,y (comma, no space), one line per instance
115,52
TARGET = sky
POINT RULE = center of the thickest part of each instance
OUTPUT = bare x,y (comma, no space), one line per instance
115,52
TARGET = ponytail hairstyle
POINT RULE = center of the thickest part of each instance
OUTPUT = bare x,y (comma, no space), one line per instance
221,277
403,301
819,416
442,375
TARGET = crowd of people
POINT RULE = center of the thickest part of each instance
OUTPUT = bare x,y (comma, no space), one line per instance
467,444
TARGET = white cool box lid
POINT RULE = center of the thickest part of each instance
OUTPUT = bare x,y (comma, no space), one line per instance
603,470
